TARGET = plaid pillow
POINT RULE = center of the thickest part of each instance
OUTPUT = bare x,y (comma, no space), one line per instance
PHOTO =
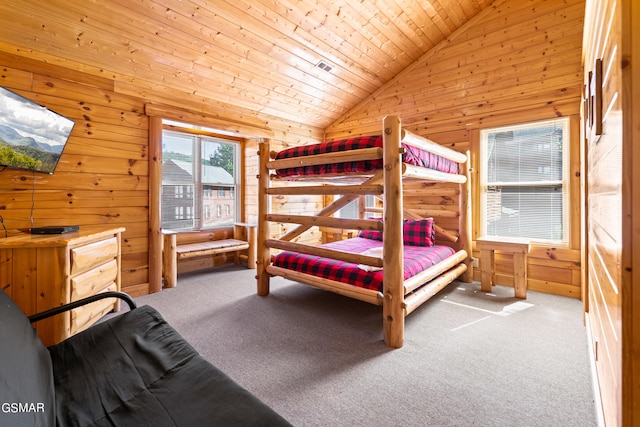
418,232
415,232
371,234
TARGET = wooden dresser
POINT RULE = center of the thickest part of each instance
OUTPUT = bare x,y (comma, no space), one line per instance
43,271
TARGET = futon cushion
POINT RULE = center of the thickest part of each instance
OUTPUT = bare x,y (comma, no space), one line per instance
136,370
26,380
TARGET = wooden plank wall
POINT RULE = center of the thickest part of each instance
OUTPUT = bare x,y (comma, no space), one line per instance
631,203
611,117
517,61
604,207
103,174
101,178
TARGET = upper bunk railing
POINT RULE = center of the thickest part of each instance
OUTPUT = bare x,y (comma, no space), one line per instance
426,144
374,153
327,158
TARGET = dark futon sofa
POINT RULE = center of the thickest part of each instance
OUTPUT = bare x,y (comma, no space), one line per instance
133,369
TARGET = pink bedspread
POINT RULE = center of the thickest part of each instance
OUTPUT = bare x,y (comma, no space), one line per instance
416,260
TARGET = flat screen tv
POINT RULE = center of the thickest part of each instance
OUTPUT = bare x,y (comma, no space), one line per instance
32,137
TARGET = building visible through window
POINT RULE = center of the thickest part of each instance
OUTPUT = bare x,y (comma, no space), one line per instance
199,176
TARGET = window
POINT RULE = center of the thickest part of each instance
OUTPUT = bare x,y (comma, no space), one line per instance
193,189
351,210
524,181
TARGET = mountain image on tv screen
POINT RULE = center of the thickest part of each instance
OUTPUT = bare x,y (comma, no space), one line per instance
32,137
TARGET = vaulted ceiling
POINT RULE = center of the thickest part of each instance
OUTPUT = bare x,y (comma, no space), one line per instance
255,56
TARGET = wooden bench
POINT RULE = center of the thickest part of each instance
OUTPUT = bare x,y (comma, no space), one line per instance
182,246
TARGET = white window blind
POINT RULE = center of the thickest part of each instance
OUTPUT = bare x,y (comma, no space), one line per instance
351,210
524,190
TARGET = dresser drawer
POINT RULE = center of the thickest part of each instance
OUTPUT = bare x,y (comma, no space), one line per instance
85,316
88,256
94,281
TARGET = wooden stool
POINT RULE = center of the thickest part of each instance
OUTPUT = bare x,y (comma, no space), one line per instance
518,247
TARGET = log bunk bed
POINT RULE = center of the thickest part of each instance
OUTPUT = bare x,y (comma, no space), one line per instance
387,281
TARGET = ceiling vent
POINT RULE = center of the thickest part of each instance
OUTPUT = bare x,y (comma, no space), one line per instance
324,66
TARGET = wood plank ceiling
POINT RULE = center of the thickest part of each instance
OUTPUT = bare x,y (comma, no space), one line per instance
258,57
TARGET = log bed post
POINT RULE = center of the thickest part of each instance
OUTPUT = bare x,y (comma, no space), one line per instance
263,253
465,218
393,292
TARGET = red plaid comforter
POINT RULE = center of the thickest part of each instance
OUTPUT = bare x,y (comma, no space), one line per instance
416,259
413,156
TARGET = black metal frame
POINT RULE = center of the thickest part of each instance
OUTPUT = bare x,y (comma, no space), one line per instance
84,301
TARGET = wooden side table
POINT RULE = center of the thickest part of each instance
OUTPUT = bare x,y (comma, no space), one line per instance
518,247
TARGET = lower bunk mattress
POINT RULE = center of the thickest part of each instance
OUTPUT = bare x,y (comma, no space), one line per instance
412,155
416,260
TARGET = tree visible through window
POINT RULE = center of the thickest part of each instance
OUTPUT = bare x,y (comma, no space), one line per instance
524,186
199,176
